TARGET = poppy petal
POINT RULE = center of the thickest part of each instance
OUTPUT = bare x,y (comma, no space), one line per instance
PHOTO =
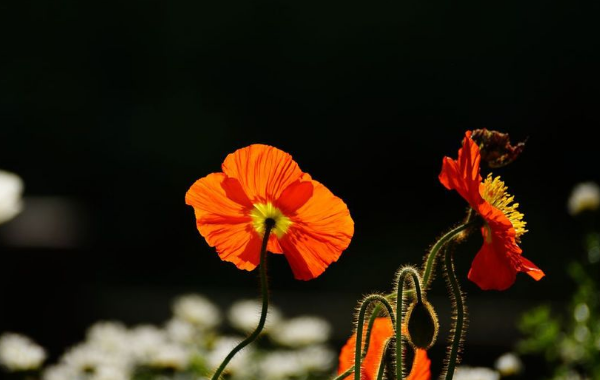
235,192
263,171
211,204
238,244
295,196
531,269
223,222
421,367
321,231
273,245
463,174
492,269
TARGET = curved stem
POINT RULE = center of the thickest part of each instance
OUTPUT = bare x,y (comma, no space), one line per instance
404,272
459,315
346,373
382,362
350,370
432,255
264,288
359,328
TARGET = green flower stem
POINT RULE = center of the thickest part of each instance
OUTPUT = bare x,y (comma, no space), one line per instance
359,329
459,311
382,362
374,315
264,287
346,373
432,255
402,275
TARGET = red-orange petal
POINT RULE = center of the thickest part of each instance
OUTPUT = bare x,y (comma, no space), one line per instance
223,222
531,269
381,332
463,174
496,264
273,245
421,367
295,196
235,192
492,268
321,231
263,171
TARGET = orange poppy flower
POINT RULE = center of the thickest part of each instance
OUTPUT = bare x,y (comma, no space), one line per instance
381,332
421,368
312,226
496,264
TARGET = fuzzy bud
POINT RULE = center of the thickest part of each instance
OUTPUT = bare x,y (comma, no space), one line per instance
422,325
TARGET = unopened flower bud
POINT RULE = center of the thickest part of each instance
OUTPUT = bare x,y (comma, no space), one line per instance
423,325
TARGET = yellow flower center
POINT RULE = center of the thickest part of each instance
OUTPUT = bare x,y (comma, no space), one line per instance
263,211
494,191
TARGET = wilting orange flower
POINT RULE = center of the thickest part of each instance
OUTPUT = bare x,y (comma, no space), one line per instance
311,226
382,331
499,259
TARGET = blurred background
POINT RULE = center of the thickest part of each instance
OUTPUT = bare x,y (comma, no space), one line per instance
109,111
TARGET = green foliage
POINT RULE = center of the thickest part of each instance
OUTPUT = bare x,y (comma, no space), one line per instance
569,339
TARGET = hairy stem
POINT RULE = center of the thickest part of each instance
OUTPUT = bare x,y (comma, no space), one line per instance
382,362
459,314
350,370
359,328
402,275
264,288
429,264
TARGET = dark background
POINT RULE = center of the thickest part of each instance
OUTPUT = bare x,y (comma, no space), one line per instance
116,108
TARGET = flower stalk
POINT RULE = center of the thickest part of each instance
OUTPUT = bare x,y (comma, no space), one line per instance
359,329
400,298
264,288
459,312
431,259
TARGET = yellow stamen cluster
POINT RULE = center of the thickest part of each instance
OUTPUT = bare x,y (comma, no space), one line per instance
494,191
263,211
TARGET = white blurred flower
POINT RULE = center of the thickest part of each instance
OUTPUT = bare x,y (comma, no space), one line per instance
197,310
244,315
280,365
145,341
19,353
584,196
181,331
509,364
59,372
11,190
109,336
170,355
222,348
87,357
317,359
475,373
302,331
110,373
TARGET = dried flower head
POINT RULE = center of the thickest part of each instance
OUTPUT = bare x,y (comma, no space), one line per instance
496,148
